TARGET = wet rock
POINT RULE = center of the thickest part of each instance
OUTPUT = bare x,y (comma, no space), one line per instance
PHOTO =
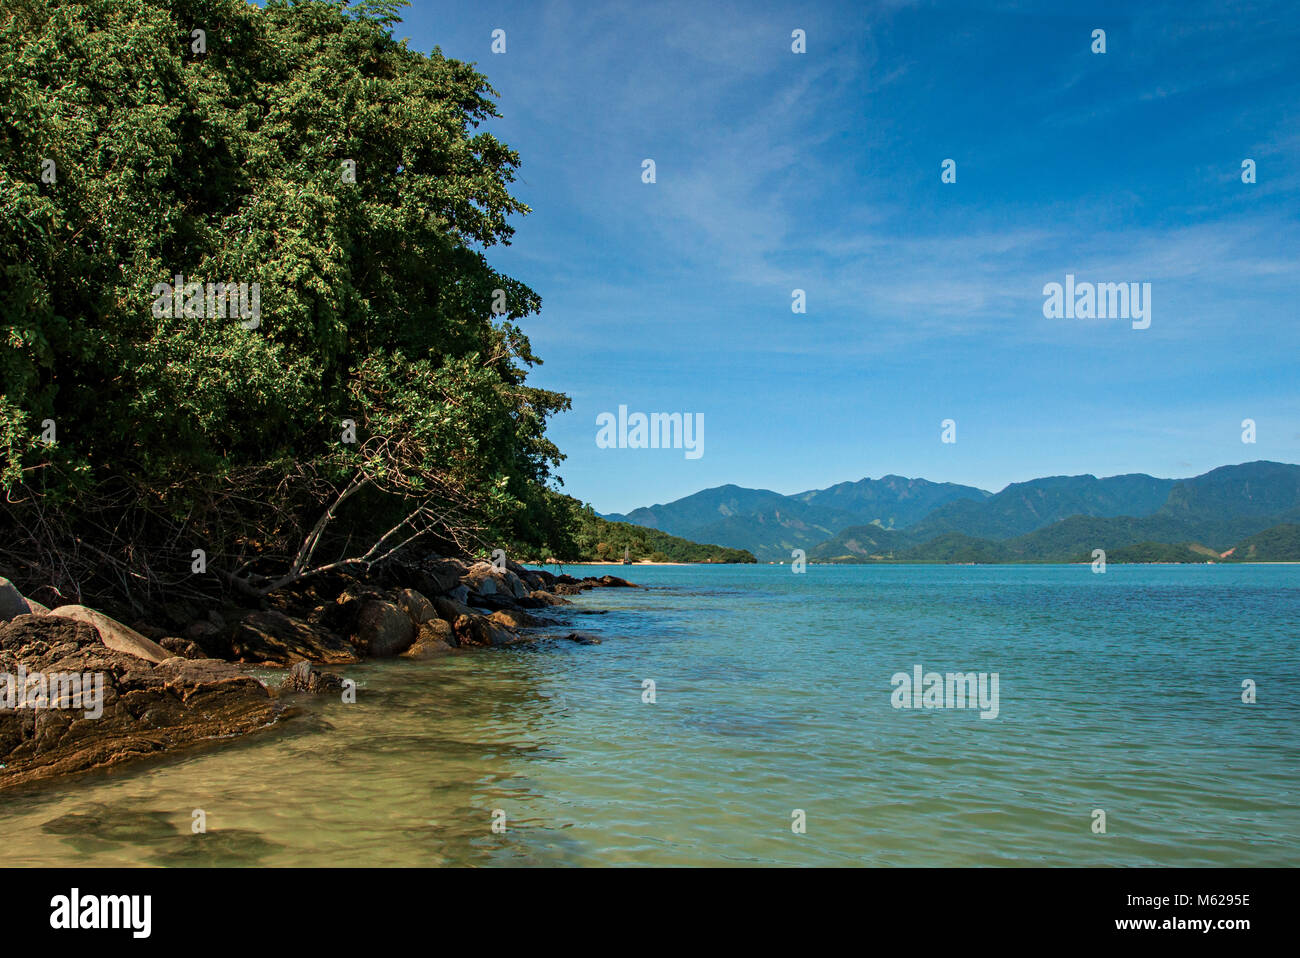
479,630
147,709
383,629
547,598
304,677
270,636
582,639
114,634
612,582
513,619
434,638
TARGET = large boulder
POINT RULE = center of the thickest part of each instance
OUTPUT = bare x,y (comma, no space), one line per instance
383,629
415,605
440,576
479,630
114,634
269,636
145,709
450,609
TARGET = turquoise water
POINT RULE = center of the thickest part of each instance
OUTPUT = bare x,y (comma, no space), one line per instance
1119,692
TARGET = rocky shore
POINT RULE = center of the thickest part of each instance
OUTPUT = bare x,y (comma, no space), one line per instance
81,690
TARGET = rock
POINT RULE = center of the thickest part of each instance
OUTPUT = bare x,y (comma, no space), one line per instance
481,578
582,639
114,634
547,598
513,619
383,629
272,637
567,588
147,709
612,582
530,578
303,677
441,576
416,606
493,600
434,638
479,630
12,602
449,609
182,647
200,631
459,594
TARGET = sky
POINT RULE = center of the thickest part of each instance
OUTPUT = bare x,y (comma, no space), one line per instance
821,171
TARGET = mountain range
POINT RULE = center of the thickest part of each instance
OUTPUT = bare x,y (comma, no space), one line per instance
1055,518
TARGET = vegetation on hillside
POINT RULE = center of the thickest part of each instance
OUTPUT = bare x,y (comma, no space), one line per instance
578,534
1281,543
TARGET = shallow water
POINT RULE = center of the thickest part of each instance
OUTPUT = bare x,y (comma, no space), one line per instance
1119,692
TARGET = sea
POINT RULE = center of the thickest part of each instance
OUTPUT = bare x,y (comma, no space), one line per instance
751,715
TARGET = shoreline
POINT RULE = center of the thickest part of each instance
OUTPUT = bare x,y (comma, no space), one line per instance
159,689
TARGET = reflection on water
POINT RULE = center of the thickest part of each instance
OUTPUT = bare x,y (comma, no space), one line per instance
1118,692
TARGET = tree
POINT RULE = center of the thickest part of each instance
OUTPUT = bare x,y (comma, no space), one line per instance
379,394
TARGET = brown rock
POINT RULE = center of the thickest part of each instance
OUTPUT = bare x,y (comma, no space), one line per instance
114,634
146,709
383,629
434,638
479,630
416,606
271,636
182,647
304,678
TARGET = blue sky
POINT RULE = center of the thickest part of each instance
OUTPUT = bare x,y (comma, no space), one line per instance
821,171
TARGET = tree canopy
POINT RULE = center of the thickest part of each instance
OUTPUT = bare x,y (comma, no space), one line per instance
379,390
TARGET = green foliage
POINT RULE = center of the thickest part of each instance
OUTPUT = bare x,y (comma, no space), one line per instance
1151,552
376,296
1281,543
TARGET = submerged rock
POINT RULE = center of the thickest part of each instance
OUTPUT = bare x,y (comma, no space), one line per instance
434,638
303,677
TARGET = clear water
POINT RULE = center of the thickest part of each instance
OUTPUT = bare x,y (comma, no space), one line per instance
1119,692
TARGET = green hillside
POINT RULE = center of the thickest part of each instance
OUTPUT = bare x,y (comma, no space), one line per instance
1279,544
580,535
